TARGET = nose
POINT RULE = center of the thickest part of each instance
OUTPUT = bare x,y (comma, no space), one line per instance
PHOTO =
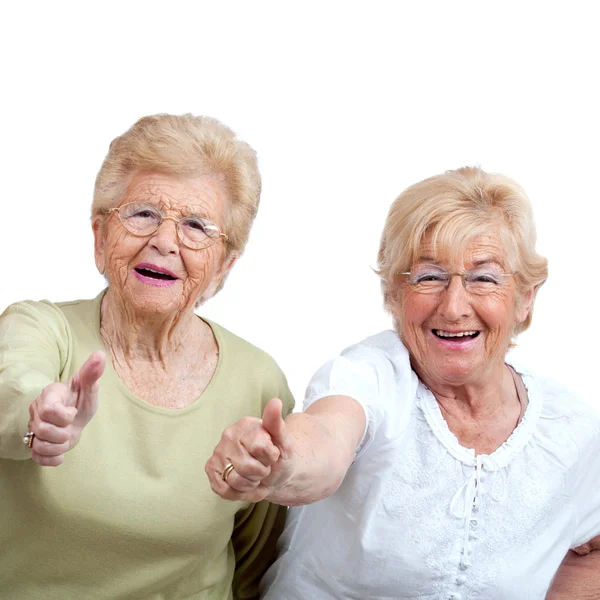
455,301
165,238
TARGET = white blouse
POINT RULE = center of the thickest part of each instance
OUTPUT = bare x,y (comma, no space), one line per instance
419,517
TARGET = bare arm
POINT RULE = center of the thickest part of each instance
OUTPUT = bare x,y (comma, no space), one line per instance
299,460
578,577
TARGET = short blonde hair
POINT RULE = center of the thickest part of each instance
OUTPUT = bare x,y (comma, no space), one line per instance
189,146
453,208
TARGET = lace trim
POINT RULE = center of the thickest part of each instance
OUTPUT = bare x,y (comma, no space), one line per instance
498,459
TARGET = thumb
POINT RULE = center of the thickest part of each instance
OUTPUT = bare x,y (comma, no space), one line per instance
273,423
85,381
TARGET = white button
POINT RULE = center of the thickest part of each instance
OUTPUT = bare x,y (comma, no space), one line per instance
461,579
472,535
464,565
455,596
475,507
474,523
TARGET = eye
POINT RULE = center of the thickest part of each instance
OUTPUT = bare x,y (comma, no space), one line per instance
144,214
195,225
429,277
487,278
140,213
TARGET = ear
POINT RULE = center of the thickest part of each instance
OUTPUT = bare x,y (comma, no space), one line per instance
219,278
524,303
393,302
99,244
227,265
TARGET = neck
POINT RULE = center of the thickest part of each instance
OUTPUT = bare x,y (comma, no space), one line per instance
132,336
480,400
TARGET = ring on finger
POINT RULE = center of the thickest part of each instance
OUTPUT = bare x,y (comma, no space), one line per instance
227,471
28,439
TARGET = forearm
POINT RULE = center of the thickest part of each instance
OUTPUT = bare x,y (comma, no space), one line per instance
578,578
323,450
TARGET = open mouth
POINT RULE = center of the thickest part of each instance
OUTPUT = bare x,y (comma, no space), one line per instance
152,274
458,336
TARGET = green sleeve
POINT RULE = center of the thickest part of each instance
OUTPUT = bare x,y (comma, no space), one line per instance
258,528
34,342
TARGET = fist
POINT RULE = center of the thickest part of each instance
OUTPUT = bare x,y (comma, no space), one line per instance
260,452
59,414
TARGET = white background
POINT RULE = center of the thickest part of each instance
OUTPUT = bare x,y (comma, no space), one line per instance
346,103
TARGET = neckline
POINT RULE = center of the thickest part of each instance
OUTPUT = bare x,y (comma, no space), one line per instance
113,376
498,459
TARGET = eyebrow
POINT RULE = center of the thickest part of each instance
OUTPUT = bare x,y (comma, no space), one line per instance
184,211
477,263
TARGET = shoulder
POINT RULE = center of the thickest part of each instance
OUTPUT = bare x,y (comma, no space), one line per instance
385,347
41,314
565,413
246,354
376,372
251,365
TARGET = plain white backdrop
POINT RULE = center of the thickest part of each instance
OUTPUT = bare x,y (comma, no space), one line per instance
347,103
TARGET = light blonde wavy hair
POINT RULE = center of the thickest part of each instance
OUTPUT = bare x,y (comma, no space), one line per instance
451,209
189,146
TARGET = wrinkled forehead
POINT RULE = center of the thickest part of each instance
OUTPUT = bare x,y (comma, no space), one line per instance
179,194
165,197
466,251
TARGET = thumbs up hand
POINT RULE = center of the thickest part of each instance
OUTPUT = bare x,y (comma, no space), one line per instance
59,414
253,458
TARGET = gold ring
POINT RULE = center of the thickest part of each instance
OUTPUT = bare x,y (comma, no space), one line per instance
28,439
227,472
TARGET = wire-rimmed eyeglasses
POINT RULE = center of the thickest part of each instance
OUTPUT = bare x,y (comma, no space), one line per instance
143,220
433,279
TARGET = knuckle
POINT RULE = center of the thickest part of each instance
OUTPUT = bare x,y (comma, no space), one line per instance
266,452
229,434
47,412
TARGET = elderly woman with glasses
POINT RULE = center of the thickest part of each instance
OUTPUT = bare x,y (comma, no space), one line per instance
129,392
440,469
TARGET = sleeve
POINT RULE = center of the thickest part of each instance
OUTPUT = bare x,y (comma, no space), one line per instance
254,540
382,382
587,493
33,347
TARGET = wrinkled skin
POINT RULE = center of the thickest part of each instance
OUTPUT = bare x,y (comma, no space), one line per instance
472,384
494,316
200,271
162,352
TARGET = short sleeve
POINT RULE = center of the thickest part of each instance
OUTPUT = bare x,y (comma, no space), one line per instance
377,374
587,493
33,350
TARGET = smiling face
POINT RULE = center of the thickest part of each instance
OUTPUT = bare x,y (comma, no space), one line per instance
158,274
454,336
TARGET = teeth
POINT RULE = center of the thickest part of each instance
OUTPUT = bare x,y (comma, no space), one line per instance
448,334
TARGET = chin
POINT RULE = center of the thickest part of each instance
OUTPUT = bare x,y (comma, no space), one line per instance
459,374
155,303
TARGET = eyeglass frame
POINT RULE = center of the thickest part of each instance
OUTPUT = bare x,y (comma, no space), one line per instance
450,276
164,218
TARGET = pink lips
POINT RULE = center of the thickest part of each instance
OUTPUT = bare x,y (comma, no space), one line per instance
152,280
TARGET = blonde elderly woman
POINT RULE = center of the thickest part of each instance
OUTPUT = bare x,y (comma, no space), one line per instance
442,472
130,392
